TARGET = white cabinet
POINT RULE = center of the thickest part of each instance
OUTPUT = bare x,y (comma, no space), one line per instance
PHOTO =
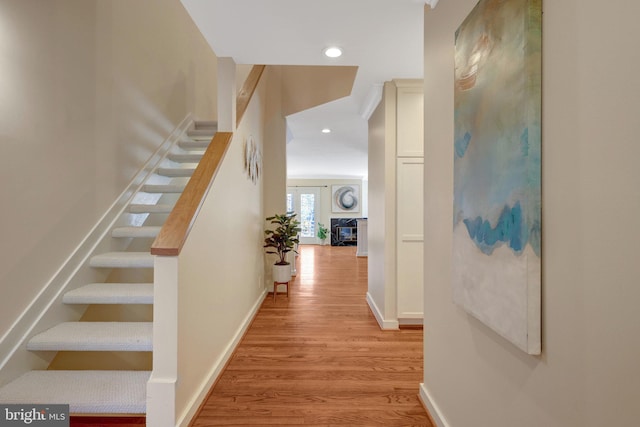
409,122
396,163
409,239
409,200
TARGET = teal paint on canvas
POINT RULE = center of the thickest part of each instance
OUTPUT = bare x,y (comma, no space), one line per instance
496,259
497,119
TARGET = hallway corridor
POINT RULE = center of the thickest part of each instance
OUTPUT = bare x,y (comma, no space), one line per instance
319,358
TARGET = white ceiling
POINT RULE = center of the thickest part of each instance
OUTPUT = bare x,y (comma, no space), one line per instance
384,38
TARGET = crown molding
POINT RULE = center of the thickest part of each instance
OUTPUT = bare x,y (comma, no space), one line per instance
373,98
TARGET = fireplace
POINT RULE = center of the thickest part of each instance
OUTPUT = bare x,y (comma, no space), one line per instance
344,231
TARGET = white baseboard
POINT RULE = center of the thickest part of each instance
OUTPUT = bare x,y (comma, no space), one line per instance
384,324
411,318
432,407
161,390
219,365
46,309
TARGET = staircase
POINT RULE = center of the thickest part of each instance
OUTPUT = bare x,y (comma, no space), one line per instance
99,391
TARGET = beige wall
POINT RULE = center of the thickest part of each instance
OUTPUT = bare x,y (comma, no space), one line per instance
588,374
381,194
306,87
274,154
89,89
275,147
221,266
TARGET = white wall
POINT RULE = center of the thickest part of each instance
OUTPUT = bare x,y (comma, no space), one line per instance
89,89
588,374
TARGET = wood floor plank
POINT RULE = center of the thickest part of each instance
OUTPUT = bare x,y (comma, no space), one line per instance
318,358
110,421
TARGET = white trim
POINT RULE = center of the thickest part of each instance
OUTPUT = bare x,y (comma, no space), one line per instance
43,311
412,238
219,365
160,391
371,101
432,407
384,324
412,85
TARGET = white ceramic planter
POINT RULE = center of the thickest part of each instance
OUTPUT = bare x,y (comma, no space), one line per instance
281,273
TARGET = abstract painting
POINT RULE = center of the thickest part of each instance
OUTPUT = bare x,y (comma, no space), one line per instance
345,198
252,159
497,175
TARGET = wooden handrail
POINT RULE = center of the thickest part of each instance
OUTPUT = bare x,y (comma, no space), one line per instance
246,93
176,228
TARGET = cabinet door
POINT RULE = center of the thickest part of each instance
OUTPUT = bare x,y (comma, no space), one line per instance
410,238
410,118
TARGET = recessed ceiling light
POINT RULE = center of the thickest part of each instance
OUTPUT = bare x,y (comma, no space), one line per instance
333,52
326,130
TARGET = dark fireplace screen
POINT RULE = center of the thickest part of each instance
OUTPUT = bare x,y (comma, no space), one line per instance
344,231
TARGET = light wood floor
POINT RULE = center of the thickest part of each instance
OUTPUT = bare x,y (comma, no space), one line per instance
319,358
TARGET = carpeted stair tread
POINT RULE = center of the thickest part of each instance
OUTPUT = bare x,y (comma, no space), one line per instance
94,336
203,129
163,188
200,144
205,124
143,231
86,392
111,293
185,157
122,260
142,208
175,172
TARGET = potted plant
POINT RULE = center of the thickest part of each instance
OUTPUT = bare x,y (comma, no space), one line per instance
322,232
281,240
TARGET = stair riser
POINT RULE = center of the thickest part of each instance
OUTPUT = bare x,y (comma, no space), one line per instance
122,260
111,293
185,158
136,232
194,145
176,172
156,209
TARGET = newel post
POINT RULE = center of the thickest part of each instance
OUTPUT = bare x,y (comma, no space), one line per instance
161,388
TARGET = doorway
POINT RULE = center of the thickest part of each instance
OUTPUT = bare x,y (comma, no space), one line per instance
305,202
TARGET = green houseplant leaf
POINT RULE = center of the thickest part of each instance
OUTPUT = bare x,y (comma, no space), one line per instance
283,237
322,231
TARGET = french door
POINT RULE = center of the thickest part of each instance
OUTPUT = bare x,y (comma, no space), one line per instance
305,202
